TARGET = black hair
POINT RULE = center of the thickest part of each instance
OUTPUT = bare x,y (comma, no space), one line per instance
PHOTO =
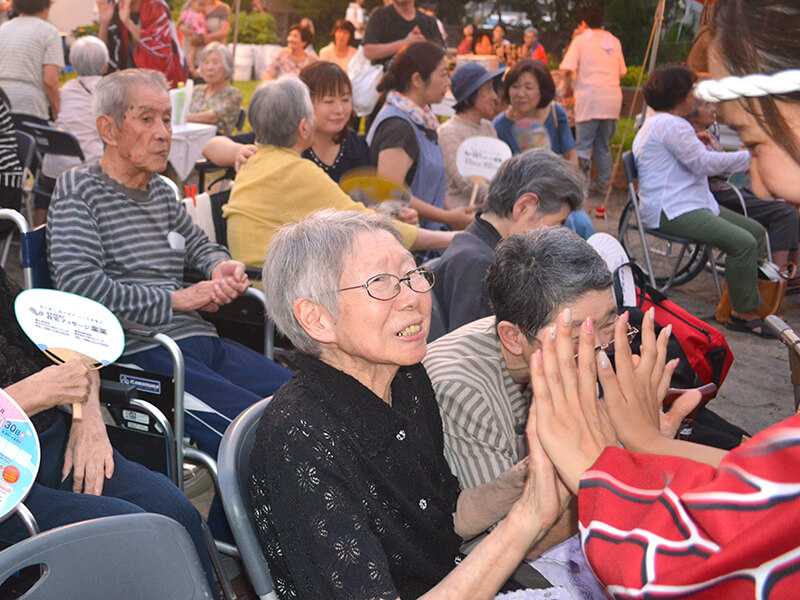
668,85
593,15
760,36
305,33
417,57
547,87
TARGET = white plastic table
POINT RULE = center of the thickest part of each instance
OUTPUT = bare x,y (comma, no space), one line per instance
187,146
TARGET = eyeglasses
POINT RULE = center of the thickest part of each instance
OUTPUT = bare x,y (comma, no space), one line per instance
387,286
608,348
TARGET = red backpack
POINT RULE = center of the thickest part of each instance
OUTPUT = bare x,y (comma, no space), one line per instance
705,347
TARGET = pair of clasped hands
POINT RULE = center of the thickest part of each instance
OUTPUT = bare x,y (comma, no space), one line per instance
573,426
228,282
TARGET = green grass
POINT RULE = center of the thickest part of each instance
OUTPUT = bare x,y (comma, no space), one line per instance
625,126
247,88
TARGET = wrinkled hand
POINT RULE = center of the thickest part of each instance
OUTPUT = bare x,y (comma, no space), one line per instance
68,383
705,137
460,217
544,495
105,11
415,35
634,396
408,215
243,155
571,423
231,280
200,296
89,455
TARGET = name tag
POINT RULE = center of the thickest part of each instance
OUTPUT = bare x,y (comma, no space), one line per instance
176,241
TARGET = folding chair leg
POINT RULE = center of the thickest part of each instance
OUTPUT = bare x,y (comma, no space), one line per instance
713,262
216,562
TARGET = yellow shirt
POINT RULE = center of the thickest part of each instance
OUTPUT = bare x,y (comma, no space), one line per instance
276,187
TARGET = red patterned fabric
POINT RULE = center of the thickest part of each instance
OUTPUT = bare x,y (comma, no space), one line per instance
158,46
665,527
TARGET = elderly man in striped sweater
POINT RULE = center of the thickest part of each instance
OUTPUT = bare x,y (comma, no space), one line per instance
117,235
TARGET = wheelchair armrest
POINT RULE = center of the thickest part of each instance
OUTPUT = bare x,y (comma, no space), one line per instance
253,274
137,329
115,393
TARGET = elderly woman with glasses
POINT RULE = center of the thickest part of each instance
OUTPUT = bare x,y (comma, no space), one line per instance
353,497
216,101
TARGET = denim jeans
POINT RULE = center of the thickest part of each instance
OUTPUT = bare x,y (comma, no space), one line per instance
580,223
594,136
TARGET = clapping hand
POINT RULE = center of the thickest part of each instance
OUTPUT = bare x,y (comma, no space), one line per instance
572,424
634,396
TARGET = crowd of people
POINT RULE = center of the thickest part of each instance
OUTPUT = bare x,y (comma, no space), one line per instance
436,430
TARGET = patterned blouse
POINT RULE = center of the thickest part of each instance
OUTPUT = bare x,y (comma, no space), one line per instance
225,103
352,497
19,358
283,63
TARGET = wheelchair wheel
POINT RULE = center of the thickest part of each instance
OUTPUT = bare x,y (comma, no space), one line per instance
663,253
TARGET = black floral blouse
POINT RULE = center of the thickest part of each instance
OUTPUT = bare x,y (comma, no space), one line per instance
19,358
353,497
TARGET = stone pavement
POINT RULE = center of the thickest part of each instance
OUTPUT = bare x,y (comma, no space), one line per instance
758,390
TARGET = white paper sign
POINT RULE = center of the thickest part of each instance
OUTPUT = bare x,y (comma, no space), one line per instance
60,320
614,254
481,156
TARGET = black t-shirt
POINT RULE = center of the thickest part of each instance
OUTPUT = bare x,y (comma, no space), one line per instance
353,153
353,498
386,25
396,132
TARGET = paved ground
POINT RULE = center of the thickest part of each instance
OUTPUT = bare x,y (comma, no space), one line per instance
758,390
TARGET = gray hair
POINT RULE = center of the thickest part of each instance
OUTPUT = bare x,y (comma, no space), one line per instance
276,109
111,93
555,180
534,274
88,56
306,260
532,30
224,54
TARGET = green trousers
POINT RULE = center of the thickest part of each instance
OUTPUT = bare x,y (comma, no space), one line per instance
743,240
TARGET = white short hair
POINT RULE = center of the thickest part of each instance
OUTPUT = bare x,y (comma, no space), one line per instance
111,94
88,56
224,54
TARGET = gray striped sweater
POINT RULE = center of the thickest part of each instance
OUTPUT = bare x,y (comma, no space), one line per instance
126,249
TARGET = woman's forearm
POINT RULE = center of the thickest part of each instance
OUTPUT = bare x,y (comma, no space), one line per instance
432,240
206,116
220,35
682,449
481,574
481,507
50,79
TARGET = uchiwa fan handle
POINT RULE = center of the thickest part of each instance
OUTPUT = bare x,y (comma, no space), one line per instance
62,355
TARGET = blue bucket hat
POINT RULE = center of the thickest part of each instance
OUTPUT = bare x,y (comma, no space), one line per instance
469,77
